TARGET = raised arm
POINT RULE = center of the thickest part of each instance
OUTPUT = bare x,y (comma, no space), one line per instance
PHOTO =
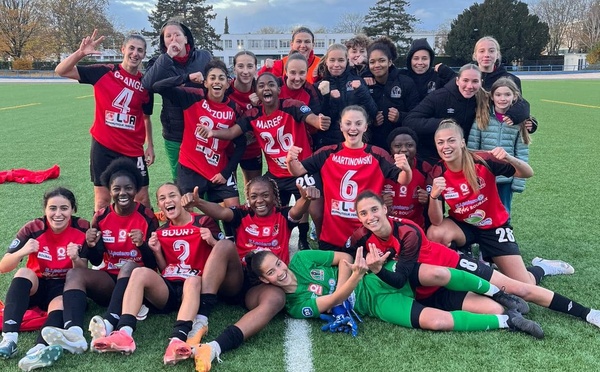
68,66
210,209
306,195
294,166
349,275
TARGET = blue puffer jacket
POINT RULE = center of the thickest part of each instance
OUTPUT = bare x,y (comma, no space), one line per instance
499,134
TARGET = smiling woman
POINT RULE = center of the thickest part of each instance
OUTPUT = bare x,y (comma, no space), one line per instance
123,107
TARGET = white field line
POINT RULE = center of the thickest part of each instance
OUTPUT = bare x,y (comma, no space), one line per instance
297,344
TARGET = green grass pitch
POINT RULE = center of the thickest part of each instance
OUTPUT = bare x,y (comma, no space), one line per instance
556,217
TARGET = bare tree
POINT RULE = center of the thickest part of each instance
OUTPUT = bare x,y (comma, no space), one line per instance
272,30
559,15
351,23
441,37
20,21
589,36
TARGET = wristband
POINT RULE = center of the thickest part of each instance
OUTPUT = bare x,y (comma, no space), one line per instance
436,198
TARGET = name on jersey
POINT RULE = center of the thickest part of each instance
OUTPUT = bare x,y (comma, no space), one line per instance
344,160
119,120
176,232
271,123
469,205
221,115
343,209
132,83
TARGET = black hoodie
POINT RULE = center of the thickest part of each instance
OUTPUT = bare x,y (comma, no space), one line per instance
431,79
163,67
489,78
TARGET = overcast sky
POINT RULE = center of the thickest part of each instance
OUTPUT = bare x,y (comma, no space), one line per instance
249,16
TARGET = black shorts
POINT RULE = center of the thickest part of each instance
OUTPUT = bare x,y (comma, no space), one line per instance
253,164
250,281
287,186
48,289
475,267
101,157
187,180
495,242
324,246
173,303
445,299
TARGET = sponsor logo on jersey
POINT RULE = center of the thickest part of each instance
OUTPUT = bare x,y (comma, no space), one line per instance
304,109
266,231
450,110
332,284
15,243
271,123
344,160
44,254
132,253
343,209
396,92
307,312
317,274
252,230
61,253
464,188
469,205
107,236
315,288
403,190
119,120
122,236
477,218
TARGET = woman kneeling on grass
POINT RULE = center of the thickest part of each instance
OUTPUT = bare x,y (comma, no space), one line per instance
51,244
183,248
402,241
263,224
308,295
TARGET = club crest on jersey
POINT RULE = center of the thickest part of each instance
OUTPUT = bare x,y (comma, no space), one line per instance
481,182
430,87
317,274
396,92
15,243
349,87
304,109
307,312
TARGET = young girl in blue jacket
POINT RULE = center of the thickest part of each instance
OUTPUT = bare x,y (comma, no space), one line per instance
492,128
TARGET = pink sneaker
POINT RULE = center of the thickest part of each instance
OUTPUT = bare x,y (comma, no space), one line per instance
177,350
118,341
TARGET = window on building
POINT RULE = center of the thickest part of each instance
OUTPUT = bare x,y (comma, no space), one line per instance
254,44
270,44
228,44
319,43
231,61
284,43
240,43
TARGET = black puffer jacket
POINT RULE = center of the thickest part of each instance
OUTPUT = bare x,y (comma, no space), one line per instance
431,79
333,107
162,67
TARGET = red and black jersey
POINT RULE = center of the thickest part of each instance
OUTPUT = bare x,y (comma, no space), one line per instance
184,249
277,132
242,99
205,156
409,245
121,103
483,208
51,261
115,245
405,198
346,173
271,232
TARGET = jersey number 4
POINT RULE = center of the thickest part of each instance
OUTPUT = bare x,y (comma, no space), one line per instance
123,100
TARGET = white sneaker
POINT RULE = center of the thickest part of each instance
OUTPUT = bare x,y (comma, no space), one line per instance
553,267
593,317
71,341
35,349
142,313
97,330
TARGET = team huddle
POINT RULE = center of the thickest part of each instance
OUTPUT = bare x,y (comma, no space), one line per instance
401,171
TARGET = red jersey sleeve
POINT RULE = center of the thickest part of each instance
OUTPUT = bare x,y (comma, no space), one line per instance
31,230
